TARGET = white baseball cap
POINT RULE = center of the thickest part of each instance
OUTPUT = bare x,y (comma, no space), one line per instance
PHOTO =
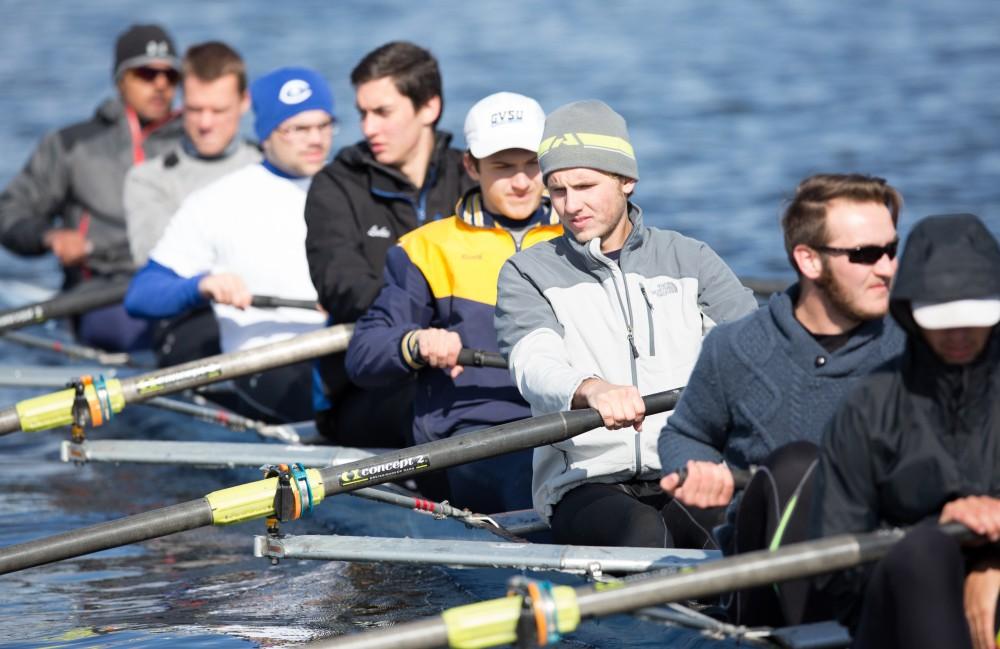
504,120
958,313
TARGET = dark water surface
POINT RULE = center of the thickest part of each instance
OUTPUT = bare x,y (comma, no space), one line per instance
729,105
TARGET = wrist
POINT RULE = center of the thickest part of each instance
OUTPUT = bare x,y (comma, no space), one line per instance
410,349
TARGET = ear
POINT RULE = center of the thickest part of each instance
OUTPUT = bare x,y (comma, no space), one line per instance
470,166
628,185
429,112
808,260
245,102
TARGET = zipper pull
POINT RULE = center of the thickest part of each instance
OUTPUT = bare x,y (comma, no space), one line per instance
631,343
649,303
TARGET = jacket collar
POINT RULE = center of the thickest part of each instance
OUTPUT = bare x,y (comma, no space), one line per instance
590,253
391,179
469,209
781,308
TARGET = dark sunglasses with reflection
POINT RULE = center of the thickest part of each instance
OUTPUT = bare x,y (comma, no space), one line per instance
867,255
149,74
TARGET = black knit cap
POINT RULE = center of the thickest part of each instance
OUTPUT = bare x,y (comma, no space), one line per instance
143,44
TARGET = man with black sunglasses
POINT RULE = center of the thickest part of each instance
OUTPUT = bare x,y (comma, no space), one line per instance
68,198
765,386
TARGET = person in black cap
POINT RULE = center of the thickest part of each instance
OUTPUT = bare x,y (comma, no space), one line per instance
918,443
68,198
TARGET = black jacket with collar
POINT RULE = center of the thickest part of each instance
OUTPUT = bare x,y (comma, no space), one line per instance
357,209
919,433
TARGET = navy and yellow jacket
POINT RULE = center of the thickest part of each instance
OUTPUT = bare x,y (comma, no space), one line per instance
444,275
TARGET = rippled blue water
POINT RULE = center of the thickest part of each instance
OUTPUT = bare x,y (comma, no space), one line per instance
729,104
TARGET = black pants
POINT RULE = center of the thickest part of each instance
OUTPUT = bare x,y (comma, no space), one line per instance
282,395
914,598
635,514
376,418
193,335
774,512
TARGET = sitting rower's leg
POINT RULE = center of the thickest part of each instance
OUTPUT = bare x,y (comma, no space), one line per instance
496,484
691,527
608,514
914,596
774,512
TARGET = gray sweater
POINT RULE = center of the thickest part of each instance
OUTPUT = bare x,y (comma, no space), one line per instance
76,174
155,189
764,381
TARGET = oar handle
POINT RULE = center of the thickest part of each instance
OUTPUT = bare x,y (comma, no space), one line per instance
481,358
272,302
741,477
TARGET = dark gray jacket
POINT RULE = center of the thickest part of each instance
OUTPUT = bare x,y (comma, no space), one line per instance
920,433
78,173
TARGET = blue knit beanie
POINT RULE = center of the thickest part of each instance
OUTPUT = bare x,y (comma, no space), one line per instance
285,93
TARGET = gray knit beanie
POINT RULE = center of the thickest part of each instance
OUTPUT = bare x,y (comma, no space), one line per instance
587,134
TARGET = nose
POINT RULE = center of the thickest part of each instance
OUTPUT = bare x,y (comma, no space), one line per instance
520,182
160,81
886,267
315,136
369,126
574,203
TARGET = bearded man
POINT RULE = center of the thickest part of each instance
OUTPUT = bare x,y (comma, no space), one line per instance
765,387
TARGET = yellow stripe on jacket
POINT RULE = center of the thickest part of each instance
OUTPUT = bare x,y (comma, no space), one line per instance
462,260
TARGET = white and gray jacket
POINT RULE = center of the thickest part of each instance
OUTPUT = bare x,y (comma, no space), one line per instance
565,313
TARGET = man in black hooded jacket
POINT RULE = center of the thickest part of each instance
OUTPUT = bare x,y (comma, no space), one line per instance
919,443
403,174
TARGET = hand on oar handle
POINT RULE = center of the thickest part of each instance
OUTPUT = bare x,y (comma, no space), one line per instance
701,484
225,288
70,246
981,514
705,484
620,406
434,347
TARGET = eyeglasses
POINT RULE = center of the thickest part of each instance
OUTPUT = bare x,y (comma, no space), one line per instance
302,131
149,74
867,255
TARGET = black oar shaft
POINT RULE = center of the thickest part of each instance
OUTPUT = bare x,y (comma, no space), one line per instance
272,302
711,578
480,358
112,534
461,449
86,297
253,500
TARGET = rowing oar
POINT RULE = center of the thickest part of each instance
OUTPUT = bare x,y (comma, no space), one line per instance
86,297
256,499
493,623
271,302
55,409
72,350
480,358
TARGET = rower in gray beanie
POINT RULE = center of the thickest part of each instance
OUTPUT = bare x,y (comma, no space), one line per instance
587,134
611,310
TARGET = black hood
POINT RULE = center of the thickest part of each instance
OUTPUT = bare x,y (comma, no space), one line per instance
947,257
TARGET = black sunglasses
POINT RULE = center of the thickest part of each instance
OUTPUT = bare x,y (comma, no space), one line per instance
867,255
149,75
